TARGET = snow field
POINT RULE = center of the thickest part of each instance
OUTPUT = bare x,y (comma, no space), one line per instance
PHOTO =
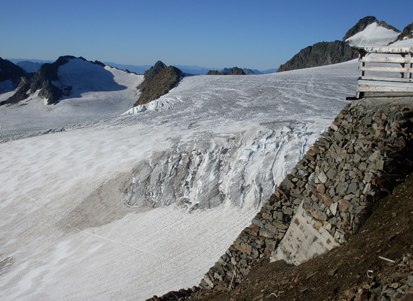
66,233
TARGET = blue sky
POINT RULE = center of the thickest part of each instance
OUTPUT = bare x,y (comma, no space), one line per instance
214,34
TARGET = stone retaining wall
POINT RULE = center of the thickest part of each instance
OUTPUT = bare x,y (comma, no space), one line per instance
330,192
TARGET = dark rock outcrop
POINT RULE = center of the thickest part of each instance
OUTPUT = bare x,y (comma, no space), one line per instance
406,33
227,71
9,71
151,73
320,54
160,84
214,72
236,71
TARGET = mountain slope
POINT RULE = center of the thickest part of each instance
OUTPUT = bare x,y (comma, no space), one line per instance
374,34
67,77
95,92
10,76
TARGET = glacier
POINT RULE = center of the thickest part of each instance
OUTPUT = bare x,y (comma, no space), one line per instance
126,206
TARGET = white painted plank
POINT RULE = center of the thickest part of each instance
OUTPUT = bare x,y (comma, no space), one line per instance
400,60
365,88
386,69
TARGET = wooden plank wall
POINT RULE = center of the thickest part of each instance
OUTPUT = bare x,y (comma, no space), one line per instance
398,61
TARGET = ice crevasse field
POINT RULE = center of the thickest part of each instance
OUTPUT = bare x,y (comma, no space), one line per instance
119,204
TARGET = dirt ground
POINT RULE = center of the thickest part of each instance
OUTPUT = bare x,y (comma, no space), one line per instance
375,264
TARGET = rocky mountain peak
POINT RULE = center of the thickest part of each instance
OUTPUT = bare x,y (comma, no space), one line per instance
227,71
360,26
159,84
43,80
363,23
151,73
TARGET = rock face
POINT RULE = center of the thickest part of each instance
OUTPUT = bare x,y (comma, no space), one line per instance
320,54
43,81
151,73
226,71
10,72
406,33
159,84
360,158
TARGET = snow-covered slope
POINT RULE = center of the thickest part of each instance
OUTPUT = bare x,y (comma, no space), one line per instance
373,35
97,92
218,142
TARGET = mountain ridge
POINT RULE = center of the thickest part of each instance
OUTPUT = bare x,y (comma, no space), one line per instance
47,81
10,72
326,53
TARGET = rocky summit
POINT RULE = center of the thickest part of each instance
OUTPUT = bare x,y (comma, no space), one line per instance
159,84
233,71
151,73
